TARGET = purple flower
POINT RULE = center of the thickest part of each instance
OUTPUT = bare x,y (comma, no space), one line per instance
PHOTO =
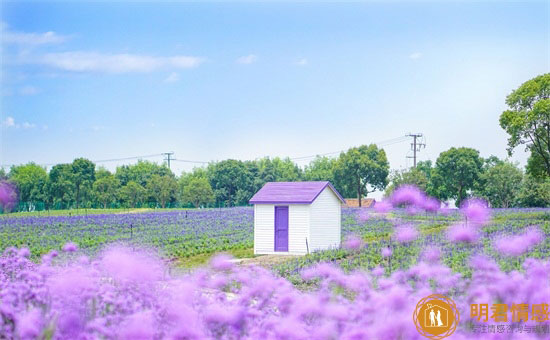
431,205
432,254
8,195
70,247
382,206
408,195
386,252
520,244
363,215
221,262
29,324
406,234
460,233
353,242
476,211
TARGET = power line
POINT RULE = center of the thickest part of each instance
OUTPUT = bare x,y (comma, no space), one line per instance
99,161
168,155
415,146
386,142
189,161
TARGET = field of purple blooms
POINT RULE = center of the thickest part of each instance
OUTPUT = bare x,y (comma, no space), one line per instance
393,255
179,233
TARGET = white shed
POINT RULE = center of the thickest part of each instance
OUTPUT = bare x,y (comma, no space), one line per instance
296,217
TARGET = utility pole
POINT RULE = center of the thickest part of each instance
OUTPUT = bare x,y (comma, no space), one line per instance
168,157
415,147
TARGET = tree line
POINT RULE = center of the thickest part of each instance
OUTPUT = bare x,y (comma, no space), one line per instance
457,174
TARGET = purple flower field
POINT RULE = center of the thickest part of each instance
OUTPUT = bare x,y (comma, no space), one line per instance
111,280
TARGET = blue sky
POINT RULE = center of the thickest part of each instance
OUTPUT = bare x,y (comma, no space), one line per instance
212,81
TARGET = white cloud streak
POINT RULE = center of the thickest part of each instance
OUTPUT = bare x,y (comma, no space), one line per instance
247,59
302,62
22,38
80,61
415,55
28,90
172,78
9,122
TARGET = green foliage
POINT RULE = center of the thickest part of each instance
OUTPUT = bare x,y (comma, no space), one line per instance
501,184
198,191
61,186
413,176
534,192
361,170
527,121
456,173
105,189
141,172
83,178
320,169
226,178
132,194
31,181
162,189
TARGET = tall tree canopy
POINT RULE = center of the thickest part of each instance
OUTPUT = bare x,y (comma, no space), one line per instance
456,173
501,184
361,170
83,179
528,120
31,180
320,169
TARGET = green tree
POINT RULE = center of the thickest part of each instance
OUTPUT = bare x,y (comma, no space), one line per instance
31,181
226,178
534,192
162,189
527,120
413,176
362,169
199,192
320,169
132,194
501,184
61,186
105,189
456,173
141,172
83,179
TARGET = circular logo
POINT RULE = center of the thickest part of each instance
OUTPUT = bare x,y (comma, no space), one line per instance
436,317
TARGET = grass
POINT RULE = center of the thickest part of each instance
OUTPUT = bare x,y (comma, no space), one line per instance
202,259
83,212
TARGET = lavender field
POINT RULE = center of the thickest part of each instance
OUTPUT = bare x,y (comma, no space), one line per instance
112,280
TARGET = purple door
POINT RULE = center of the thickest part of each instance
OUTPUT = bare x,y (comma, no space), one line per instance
281,228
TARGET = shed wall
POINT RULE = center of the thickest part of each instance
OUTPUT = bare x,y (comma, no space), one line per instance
326,213
264,228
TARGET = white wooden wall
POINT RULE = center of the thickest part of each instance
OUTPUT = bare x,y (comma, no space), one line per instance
264,228
325,221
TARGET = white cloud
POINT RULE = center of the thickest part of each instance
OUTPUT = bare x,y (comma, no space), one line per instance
9,122
28,90
22,38
172,78
415,55
247,59
302,62
79,61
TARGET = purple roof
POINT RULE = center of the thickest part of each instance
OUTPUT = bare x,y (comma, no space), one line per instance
291,192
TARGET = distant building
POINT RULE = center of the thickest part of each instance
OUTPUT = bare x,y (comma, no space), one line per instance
296,217
365,202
